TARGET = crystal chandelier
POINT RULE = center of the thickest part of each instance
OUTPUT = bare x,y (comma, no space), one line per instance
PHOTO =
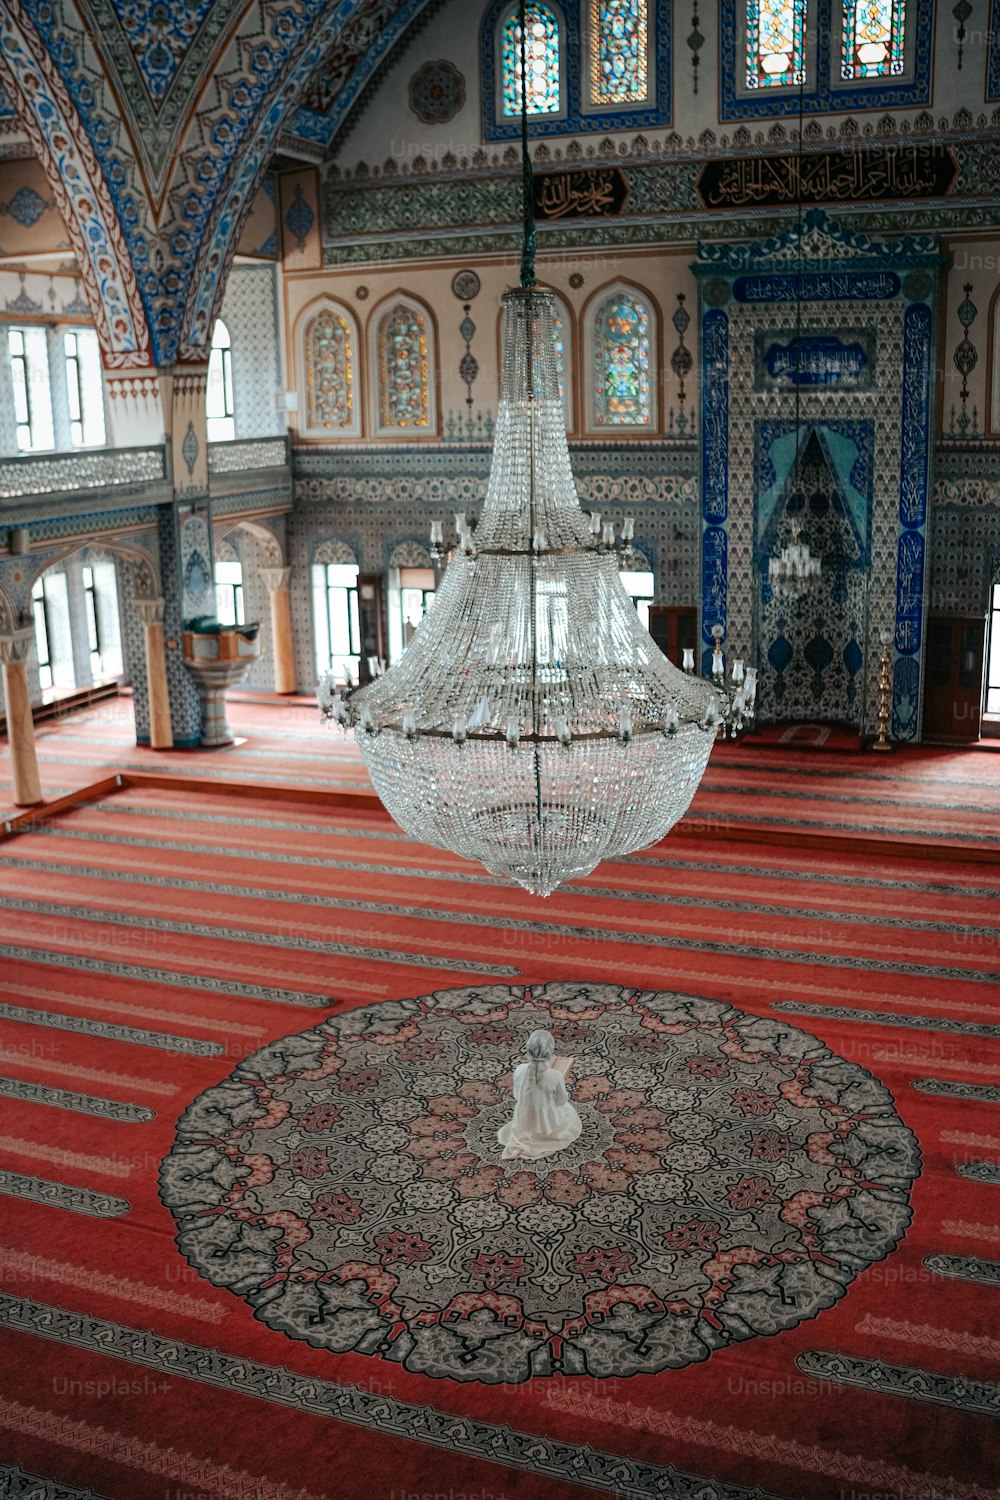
791,572
532,724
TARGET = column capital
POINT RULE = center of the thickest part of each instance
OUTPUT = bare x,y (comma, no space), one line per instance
276,578
17,644
150,611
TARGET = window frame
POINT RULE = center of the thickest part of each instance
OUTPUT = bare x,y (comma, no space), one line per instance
578,116
235,587
353,617
427,432
622,430
93,620
303,324
39,607
225,380
992,669
588,104
76,390
34,374
825,90
508,12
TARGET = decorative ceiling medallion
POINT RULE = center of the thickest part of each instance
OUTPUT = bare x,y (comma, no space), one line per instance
437,92
465,285
732,1178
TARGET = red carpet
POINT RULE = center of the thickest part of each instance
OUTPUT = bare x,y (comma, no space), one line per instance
154,940
932,796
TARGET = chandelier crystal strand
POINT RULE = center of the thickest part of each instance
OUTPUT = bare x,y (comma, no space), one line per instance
532,724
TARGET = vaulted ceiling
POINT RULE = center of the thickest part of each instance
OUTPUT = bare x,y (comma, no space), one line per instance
155,121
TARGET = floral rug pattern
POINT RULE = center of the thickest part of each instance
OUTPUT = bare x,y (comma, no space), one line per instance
732,1177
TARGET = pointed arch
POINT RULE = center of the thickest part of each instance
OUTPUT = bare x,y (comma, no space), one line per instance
147,577
326,357
57,135
402,358
621,331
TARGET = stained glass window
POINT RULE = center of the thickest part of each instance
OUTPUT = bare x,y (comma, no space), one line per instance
404,398
775,43
873,38
618,30
621,362
542,57
329,372
559,325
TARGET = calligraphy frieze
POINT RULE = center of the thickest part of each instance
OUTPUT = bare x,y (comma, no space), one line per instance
868,175
785,359
584,193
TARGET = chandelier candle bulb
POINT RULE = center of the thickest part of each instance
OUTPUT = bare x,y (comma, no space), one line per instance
738,673
437,534
534,646
628,529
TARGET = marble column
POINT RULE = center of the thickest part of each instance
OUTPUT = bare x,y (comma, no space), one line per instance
151,613
282,641
15,648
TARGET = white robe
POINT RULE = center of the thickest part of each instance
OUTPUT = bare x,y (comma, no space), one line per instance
544,1119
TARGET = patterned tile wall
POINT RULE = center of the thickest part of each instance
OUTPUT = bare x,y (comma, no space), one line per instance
250,312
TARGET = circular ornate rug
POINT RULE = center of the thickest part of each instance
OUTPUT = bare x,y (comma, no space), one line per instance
732,1177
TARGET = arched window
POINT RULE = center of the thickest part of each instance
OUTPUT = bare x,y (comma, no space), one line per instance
619,43
873,38
775,43
330,374
403,396
542,49
622,362
564,358
838,54
220,408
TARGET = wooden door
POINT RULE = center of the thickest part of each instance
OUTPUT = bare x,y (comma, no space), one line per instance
674,627
953,695
371,623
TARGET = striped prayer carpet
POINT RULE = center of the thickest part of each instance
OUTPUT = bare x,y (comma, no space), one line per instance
153,940
930,796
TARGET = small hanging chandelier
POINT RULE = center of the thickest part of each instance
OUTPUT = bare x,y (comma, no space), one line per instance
791,572
532,724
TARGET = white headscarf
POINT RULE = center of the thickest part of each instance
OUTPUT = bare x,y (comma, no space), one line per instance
541,1047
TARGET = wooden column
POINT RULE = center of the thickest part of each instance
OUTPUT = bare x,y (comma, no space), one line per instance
161,732
282,640
15,647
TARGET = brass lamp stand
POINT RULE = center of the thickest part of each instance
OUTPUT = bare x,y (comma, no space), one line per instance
884,696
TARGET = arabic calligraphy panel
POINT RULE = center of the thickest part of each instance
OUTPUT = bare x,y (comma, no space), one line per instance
784,360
